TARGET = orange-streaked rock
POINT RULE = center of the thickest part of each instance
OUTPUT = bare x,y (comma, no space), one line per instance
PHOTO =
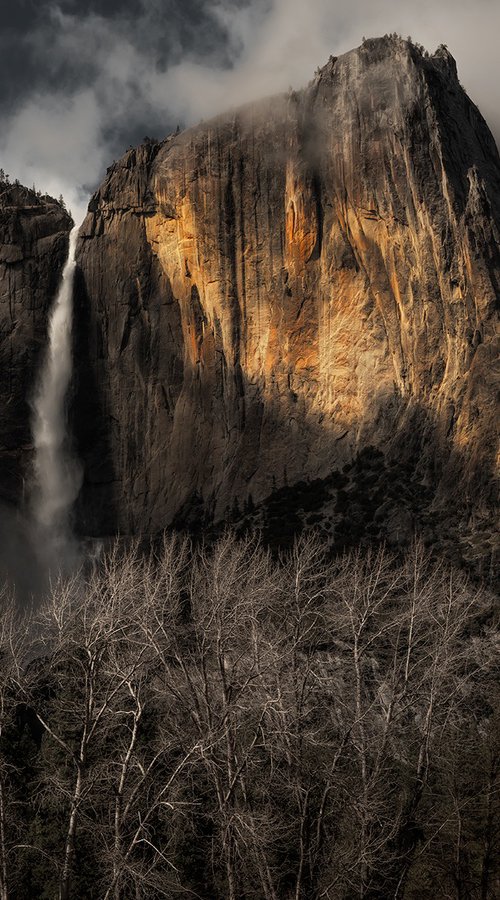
276,288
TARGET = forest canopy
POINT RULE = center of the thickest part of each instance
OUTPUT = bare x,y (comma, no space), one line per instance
217,723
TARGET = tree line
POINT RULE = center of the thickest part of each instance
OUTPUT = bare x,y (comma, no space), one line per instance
216,723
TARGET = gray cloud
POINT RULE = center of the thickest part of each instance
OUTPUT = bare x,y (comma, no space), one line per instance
84,80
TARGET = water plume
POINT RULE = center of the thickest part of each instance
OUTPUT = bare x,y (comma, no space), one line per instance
57,473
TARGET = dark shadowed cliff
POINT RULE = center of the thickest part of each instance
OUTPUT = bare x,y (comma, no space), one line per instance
33,246
263,296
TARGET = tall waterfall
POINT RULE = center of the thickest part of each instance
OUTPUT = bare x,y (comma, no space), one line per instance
57,473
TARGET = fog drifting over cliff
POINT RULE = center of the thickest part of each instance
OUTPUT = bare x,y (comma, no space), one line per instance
81,81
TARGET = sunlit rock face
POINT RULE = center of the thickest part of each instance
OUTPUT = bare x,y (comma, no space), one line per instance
33,246
264,295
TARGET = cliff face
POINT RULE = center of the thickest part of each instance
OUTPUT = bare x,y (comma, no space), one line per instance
33,247
264,295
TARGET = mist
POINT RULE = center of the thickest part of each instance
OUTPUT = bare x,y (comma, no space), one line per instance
104,75
21,570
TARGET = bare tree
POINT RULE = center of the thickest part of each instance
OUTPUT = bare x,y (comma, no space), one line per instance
221,662
86,623
223,724
142,782
13,652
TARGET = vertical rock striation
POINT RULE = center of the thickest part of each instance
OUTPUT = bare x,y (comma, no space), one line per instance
33,247
262,296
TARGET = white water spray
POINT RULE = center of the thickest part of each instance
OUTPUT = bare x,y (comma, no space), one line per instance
57,474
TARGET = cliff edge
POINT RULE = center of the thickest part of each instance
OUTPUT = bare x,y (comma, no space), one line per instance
262,297
34,233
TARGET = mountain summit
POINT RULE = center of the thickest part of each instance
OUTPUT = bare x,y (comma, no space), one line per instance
270,297
266,294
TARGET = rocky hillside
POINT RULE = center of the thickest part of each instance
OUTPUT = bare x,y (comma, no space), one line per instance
33,246
263,296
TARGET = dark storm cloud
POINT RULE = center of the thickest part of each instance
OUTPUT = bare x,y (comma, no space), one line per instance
80,80
20,69
167,29
32,40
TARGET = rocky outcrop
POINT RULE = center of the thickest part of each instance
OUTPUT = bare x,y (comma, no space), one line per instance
33,246
264,295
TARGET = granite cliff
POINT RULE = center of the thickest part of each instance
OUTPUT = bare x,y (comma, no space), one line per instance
34,233
266,295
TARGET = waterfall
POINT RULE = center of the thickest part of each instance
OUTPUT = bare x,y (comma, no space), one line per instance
58,475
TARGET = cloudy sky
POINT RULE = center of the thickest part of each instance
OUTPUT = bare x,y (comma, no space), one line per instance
81,80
